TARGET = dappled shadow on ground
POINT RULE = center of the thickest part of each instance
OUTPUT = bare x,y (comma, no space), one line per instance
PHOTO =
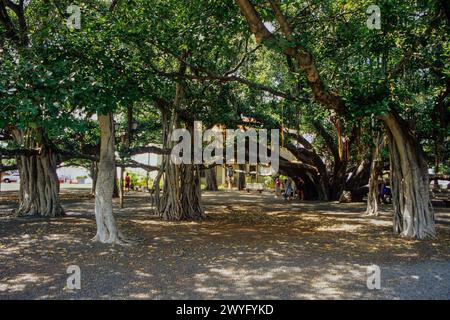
249,246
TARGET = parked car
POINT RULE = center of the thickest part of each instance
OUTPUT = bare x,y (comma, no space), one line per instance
11,177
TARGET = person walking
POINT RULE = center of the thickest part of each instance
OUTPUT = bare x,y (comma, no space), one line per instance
127,182
230,177
288,189
277,187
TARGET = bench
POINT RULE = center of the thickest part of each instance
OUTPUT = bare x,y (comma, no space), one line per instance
254,187
440,198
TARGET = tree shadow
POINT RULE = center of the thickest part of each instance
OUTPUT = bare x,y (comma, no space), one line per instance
258,248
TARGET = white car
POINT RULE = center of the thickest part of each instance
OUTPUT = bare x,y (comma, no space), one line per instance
11,177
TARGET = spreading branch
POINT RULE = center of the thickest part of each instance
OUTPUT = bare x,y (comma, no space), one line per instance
11,153
20,34
327,98
210,76
147,149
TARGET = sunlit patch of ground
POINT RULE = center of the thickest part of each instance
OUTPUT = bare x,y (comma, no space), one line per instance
249,246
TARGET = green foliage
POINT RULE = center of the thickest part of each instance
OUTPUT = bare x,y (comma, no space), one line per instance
127,57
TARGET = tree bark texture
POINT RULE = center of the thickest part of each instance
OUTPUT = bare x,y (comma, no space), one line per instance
39,183
107,231
413,212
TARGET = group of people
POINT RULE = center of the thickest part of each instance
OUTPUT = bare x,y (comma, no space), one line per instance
290,187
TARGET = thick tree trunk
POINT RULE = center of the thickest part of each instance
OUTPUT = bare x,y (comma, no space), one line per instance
39,183
322,189
341,157
413,212
181,198
191,192
359,178
316,182
309,156
439,130
211,179
340,151
170,203
106,225
338,180
116,191
241,177
121,187
156,192
372,196
93,174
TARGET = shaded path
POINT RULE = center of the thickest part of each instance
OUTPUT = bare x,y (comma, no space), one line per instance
250,246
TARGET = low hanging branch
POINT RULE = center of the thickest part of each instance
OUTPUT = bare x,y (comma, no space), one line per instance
440,177
12,153
8,168
65,155
135,164
68,155
147,149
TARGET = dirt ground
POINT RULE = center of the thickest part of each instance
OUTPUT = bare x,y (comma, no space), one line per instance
250,246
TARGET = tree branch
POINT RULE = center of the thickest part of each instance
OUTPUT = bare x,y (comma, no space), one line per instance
147,149
329,141
12,167
11,31
19,152
328,99
220,78
19,10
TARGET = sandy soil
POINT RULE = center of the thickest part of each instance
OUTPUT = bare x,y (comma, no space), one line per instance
250,246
